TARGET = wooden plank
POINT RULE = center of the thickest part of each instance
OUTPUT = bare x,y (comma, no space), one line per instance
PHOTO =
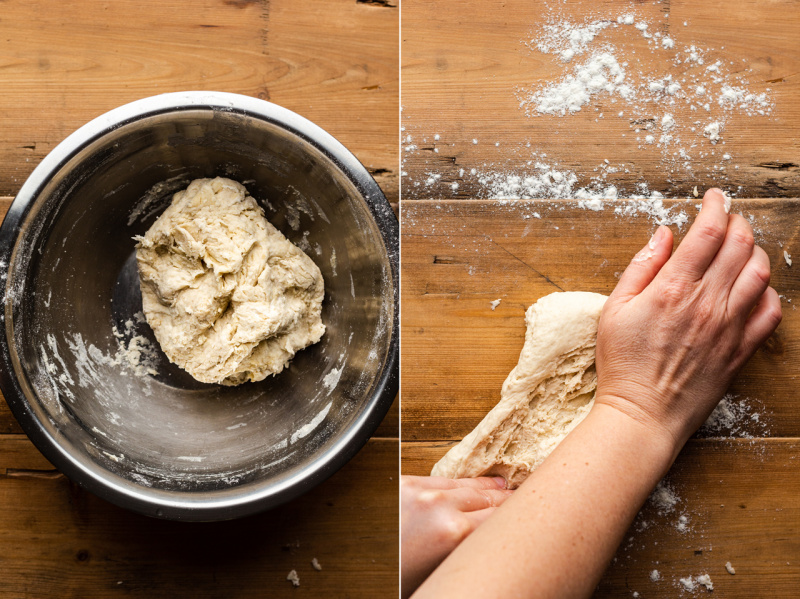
465,63
57,536
740,501
458,256
390,425
63,64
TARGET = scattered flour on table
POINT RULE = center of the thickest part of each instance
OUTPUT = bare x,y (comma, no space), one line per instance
705,580
494,304
316,565
679,110
679,105
688,583
787,257
664,498
691,583
735,417
293,578
655,576
729,567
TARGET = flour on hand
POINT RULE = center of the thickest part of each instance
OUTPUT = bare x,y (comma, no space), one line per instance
547,394
229,298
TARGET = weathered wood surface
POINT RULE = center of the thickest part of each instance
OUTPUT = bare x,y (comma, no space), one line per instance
332,61
740,501
464,64
60,541
460,255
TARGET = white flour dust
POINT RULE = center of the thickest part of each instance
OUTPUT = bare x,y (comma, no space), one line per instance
678,103
671,513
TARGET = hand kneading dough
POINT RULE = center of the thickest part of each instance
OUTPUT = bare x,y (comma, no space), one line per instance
547,394
228,297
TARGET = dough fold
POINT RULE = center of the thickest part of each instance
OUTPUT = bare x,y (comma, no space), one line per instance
229,298
545,396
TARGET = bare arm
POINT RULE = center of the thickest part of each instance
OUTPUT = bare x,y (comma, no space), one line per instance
671,338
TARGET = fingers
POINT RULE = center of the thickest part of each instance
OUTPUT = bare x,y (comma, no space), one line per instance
750,285
704,239
478,517
761,324
645,265
471,500
440,482
736,251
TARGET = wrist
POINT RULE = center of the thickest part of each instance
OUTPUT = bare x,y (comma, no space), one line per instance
653,444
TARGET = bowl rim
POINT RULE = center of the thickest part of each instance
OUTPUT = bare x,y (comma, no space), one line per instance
162,503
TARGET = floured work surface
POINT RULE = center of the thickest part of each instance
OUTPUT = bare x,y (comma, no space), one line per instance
620,97
459,257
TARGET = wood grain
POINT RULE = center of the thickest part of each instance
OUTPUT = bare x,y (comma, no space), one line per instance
740,500
62,64
458,256
465,65
332,61
59,540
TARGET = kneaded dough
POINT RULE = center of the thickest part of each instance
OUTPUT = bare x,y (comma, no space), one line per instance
229,298
545,396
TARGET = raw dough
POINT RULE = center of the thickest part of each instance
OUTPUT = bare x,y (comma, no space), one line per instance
228,297
546,395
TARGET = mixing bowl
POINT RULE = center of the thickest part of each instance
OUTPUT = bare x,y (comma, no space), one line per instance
127,424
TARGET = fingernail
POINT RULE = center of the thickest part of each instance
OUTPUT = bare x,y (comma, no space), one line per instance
725,198
501,482
655,239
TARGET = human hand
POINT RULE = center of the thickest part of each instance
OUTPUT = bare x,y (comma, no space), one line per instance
436,515
675,331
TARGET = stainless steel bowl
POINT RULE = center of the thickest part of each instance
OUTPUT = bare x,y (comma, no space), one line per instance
161,443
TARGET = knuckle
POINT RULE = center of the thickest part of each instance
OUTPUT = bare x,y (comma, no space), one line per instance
711,231
430,499
743,237
487,499
706,308
408,484
775,314
761,272
455,528
672,292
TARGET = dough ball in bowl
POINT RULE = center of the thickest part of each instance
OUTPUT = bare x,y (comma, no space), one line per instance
228,297
83,372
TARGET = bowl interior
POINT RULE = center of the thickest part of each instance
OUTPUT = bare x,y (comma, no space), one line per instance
76,301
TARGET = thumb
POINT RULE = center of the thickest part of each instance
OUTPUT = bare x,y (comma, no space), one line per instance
645,265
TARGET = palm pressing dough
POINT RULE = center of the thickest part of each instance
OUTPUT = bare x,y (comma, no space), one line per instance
229,298
545,396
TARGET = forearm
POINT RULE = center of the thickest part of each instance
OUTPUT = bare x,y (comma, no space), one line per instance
556,535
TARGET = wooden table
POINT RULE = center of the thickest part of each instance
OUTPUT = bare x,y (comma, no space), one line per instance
62,64
461,63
